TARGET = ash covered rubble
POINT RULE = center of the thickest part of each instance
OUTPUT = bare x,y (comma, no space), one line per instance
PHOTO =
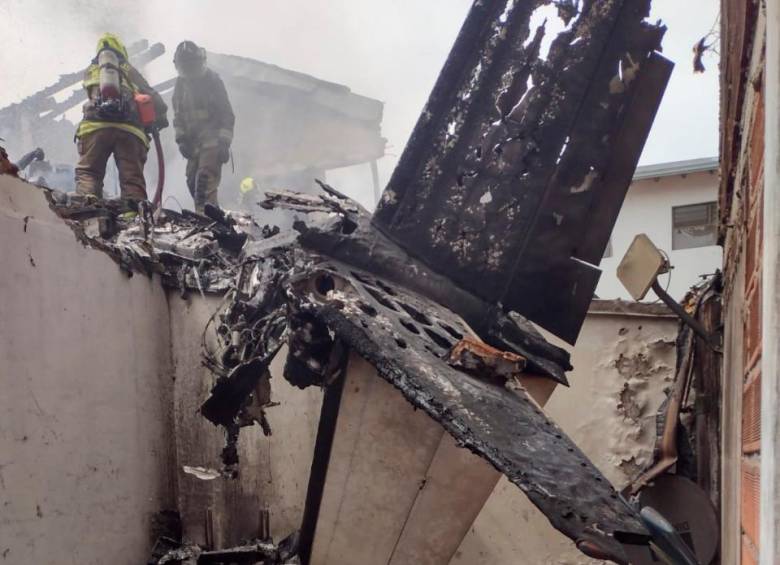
258,552
495,219
303,289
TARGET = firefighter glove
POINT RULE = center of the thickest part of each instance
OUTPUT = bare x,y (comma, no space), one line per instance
186,149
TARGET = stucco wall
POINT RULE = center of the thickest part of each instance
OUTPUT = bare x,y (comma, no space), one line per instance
622,364
86,381
648,209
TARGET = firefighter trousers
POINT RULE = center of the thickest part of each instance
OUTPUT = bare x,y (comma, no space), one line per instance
129,154
204,171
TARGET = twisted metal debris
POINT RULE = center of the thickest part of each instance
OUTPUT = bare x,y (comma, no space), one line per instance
277,289
257,552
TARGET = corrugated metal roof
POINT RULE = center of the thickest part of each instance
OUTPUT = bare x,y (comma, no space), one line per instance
676,168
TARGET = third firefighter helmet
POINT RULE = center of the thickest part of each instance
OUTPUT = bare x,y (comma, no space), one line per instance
247,185
189,59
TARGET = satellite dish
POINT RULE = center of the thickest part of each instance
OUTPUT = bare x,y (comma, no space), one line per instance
686,506
640,267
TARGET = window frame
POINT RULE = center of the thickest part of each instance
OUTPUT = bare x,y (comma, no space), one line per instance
711,208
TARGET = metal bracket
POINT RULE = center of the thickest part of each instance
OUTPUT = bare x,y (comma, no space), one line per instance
712,339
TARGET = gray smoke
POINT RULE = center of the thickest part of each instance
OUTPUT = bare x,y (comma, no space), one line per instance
391,51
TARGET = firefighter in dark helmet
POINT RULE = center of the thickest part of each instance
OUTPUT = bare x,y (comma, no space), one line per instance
203,120
112,124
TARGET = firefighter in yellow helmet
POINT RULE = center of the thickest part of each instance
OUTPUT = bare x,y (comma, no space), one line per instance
249,193
112,124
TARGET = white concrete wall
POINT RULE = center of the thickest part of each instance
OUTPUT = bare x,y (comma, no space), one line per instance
648,209
621,366
86,381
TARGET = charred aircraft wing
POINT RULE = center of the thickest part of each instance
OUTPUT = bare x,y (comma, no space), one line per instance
409,339
517,168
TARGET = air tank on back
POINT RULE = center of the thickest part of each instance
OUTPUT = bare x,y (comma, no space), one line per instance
110,85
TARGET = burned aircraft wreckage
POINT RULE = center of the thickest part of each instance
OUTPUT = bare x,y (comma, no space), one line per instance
494,219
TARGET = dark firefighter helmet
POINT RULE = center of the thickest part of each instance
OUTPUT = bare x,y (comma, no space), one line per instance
189,59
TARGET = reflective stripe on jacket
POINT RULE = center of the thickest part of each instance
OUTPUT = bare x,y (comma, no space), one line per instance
88,126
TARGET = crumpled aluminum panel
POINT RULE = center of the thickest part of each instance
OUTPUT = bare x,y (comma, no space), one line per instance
515,173
407,338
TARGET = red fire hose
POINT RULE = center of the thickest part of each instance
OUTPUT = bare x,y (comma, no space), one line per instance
148,116
160,170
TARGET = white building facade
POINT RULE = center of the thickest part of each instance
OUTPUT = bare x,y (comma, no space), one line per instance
675,204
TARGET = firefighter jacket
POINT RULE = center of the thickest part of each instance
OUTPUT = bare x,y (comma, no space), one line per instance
202,114
132,82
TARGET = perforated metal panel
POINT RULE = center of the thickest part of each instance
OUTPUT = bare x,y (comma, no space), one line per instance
512,191
407,338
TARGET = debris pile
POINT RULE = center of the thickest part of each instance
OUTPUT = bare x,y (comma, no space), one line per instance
258,553
170,549
278,289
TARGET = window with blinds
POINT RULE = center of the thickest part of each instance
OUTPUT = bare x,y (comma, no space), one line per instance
695,225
